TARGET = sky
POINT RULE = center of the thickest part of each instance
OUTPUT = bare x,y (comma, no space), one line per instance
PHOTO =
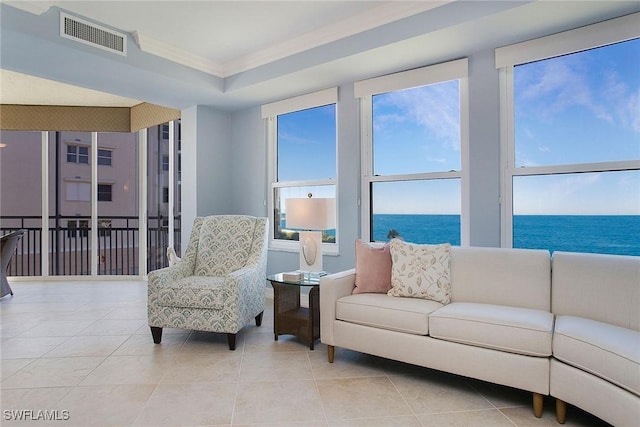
579,108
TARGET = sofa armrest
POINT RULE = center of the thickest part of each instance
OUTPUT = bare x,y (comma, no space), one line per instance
332,288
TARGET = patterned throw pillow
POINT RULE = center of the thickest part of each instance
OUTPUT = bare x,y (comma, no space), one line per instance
420,271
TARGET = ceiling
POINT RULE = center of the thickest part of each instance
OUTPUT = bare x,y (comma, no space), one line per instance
218,37
249,46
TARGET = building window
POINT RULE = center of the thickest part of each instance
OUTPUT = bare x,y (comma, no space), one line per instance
165,163
165,194
104,228
78,191
105,192
303,143
78,228
165,131
77,154
414,133
572,157
104,157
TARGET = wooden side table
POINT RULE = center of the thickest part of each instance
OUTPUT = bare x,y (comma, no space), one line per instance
289,318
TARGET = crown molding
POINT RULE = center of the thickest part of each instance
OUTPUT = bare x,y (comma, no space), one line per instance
380,15
35,7
172,53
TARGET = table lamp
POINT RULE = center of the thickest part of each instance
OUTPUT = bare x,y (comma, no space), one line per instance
311,215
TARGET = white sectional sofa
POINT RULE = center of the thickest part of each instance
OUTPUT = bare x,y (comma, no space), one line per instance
596,341
499,326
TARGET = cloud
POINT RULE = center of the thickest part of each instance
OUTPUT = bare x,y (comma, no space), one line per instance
435,108
633,109
287,137
554,86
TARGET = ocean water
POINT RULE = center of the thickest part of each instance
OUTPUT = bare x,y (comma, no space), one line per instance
607,234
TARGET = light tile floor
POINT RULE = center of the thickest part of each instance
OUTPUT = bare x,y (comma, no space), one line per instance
83,351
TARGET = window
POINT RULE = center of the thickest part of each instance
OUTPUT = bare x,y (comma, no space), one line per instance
78,228
165,131
77,154
104,227
165,163
571,150
104,192
165,194
78,191
104,157
302,143
414,144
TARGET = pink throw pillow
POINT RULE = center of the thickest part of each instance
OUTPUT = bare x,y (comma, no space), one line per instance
373,267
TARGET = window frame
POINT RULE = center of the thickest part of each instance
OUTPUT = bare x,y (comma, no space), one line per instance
432,74
270,113
77,155
103,193
102,159
506,58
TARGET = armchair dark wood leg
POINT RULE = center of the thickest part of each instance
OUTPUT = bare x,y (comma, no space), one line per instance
231,338
156,333
259,319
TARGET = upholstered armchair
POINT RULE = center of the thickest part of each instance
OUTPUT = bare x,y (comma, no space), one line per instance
8,244
219,284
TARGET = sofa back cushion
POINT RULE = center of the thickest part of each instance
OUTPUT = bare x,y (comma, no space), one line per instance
600,287
501,276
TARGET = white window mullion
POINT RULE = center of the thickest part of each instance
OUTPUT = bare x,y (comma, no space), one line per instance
622,165
507,157
44,236
272,132
94,203
142,203
366,160
171,181
465,186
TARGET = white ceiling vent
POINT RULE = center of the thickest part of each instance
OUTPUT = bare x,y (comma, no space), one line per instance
94,35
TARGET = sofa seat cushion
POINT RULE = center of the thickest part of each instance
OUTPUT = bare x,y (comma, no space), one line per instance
193,292
409,315
512,329
608,351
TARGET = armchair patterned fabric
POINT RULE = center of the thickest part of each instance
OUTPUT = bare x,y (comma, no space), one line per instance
219,284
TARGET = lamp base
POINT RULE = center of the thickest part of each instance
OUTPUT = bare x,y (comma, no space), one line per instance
310,251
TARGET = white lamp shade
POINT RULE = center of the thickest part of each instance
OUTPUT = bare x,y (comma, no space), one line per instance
311,213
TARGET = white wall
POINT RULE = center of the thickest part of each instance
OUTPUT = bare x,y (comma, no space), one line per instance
484,150
248,157
206,166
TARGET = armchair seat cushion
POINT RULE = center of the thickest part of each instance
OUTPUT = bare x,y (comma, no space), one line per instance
512,329
193,292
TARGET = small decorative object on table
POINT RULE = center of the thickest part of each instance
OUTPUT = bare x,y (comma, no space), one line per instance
293,276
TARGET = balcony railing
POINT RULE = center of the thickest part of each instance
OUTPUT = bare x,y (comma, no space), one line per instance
69,251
